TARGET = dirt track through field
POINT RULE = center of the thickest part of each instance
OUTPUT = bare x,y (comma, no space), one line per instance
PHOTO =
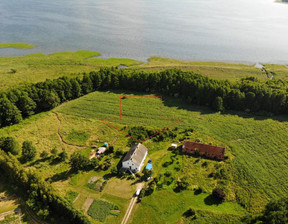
59,135
87,204
139,186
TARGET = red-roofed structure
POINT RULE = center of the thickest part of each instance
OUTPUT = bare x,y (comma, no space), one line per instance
210,151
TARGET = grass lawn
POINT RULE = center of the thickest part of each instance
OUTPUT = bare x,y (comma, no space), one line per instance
167,206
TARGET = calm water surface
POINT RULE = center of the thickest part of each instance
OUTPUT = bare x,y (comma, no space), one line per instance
217,30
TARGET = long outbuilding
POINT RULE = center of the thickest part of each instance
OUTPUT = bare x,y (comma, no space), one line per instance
209,151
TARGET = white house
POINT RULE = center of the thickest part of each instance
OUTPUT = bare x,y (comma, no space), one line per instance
134,159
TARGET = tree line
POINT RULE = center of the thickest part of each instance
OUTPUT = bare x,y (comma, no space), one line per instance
38,194
248,95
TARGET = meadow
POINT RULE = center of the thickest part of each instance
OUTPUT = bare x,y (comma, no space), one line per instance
36,67
255,170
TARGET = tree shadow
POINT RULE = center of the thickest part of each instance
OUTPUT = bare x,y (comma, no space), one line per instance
181,103
60,176
209,200
108,176
36,162
55,161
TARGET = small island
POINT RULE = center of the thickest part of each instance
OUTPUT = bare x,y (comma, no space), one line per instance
17,45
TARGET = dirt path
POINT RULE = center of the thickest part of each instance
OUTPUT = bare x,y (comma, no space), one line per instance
16,211
59,135
139,186
76,198
87,204
2,215
115,140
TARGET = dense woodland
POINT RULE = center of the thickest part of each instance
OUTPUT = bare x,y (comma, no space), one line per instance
38,194
249,94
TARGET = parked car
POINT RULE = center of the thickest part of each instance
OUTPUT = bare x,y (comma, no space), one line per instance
138,192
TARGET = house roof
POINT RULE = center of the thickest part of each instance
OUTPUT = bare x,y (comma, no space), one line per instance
209,150
101,150
136,154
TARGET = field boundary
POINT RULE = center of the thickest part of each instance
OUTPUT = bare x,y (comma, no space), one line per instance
120,117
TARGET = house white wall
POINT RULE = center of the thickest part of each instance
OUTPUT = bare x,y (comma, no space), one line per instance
130,165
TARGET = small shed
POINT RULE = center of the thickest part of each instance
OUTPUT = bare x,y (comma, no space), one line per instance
101,150
174,146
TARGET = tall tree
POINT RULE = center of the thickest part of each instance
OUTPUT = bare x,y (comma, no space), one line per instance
26,105
9,113
218,104
87,85
76,89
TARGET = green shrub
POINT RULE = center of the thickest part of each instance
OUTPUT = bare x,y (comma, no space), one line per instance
168,173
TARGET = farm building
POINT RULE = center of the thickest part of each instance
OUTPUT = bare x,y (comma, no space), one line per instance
210,151
101,150
134,158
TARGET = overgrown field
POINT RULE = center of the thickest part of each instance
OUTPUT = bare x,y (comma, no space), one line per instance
255,171
15,71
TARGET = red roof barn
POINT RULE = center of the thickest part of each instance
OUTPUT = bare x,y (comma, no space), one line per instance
210,151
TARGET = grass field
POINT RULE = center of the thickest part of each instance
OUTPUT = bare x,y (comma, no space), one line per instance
16,71
257,143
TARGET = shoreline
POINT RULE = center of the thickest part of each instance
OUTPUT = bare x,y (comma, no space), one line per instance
19,49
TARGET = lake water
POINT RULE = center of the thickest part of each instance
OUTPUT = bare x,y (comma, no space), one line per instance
217,30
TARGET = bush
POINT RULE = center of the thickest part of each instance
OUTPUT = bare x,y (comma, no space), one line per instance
190,212
9,144
168,173
166,164
181,184
114,170
44,154
199,190
28,151
177,168
79,162
218,194
205,164
63,155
